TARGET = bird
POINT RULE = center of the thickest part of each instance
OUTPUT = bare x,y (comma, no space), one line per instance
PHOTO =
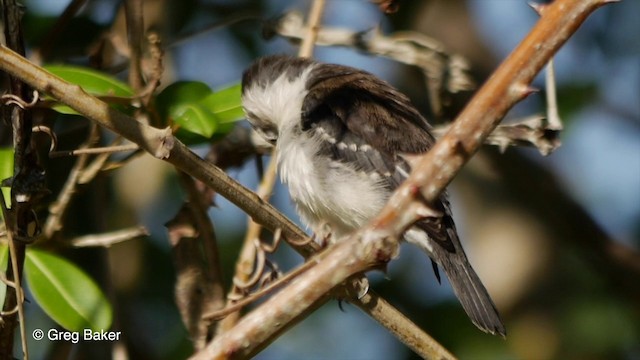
342,138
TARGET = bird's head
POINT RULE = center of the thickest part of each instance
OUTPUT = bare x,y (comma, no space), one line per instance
273,90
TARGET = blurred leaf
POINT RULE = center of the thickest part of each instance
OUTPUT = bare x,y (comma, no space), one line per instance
6,172
92,81
78,34
4,260
66,293
572,98
584,320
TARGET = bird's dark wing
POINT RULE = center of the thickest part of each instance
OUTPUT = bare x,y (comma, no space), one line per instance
364,122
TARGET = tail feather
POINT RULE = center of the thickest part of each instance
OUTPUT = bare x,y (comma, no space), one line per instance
467,286
473,296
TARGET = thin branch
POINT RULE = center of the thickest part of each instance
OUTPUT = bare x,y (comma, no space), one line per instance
96,150
224,23
110,238
155,69
553,116
16,262
135,31
313,26
407,331
157,142
530,131
27,183
58,208
234,307
445,74
99,164
199,287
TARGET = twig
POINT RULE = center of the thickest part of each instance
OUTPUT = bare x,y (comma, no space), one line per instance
135,30
509,84
98,164
156,68
199,288
445,73
313,26
552,123
157,142
553,117
245,264
58,208
407,331
530,131
222,24
96,150
27,183
16,261
236,306
110,238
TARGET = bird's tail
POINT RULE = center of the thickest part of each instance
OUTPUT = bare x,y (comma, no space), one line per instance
472,294
448,253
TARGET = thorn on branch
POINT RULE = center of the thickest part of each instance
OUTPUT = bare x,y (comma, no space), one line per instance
520,91
538,8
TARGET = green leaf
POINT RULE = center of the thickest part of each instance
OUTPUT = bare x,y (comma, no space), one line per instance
195,123
196,112
92,81
226,104
66,293
4,260
6,172
178,94
179,104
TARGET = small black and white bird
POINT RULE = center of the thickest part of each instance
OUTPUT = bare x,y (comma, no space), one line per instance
340,135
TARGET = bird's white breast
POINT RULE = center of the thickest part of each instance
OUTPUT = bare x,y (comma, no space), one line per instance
327,192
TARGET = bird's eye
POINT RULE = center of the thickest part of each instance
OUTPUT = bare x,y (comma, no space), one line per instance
270,135
267,130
